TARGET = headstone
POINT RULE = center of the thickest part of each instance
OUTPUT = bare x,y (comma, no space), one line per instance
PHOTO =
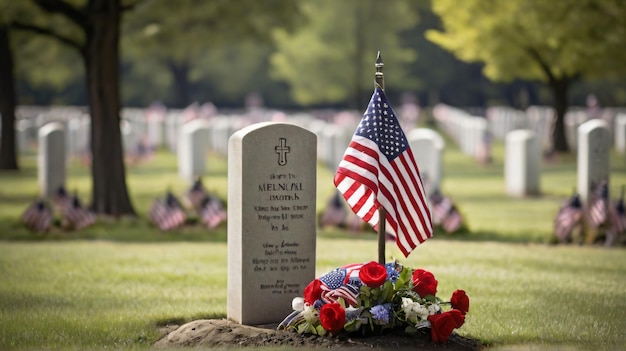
620,133
593,160
522,163
193,149
573,119
51,158
427,146
271,220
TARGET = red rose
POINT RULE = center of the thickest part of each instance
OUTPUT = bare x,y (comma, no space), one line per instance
442,324
332,317
460,301
313,291
373,274
424,283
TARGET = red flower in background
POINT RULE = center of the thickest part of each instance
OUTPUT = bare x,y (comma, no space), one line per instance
332,317
313,291
373,274
460,301
424,283
443,324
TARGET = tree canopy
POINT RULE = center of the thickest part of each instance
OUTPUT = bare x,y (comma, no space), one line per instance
189,42
533,39
331,58
556,42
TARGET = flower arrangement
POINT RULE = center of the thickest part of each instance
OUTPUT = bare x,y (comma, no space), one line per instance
371,298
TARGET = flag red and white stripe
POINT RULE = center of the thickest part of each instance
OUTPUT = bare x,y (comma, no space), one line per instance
378,170
212,212
38,217
453,220
599,204
569,216
167,213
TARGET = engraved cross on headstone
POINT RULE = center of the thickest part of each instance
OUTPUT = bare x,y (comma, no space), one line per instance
282,150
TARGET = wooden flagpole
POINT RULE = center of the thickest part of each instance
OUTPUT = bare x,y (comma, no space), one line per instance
382,213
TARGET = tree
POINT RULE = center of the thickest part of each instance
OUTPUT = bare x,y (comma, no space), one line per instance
331,58
93,29
183,36
8,152
557,42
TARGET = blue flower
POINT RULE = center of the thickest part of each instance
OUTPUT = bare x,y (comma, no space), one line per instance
392,273
380,313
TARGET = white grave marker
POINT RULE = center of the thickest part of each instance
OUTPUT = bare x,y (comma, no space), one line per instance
51,158
271,220
522,163
594,148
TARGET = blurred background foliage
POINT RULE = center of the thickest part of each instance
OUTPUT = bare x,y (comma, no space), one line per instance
311,54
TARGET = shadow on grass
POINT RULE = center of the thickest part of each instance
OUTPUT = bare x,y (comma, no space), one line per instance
139,231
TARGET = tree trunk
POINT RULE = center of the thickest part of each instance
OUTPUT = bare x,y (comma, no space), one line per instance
180,74
101,53
560,89
8,152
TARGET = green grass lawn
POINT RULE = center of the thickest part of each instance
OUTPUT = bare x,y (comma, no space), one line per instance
111,285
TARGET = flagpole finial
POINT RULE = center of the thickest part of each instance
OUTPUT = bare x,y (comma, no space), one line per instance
380,78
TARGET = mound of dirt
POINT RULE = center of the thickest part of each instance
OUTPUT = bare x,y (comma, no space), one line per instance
222,333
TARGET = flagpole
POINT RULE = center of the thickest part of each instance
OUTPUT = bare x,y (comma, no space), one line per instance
382,213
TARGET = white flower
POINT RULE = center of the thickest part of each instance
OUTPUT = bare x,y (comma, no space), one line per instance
434,309
406,302
413,311
311,314
297,304
422,312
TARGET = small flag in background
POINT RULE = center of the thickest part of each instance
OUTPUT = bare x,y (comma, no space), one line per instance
441,207
617,215
569,216
453,220
73,214
167,213
599,204
209,208
77,216
195,195
378,169
335,213
212,212
445,213
61,200
38,217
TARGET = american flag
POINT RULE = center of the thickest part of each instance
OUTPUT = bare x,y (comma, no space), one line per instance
38,217
335,214
167,213
618,216
453,220
61,200
441,207
599,204
341,283
196,195
569,216
212,212
378,170
77,216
